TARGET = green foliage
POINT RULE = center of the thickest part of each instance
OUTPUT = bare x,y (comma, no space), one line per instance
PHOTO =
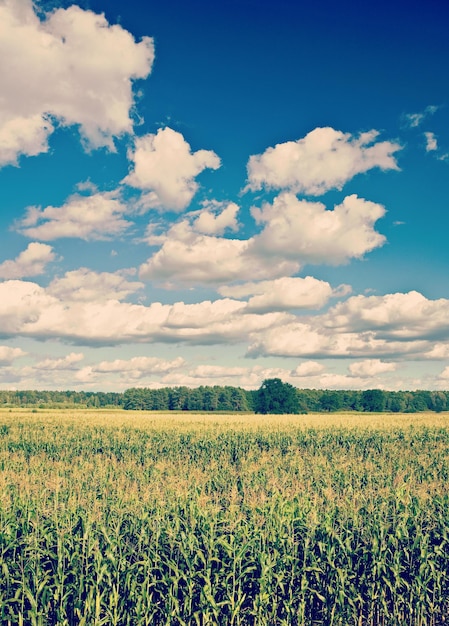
331,401
373,400
226,398
61,399
202,398
276,397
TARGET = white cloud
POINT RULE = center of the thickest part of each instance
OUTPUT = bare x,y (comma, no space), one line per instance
400,316
372,328
282,294
389,326
93,217
30,262
324,159
295,232
142,364
445,374
73,68
69,362
215,375
371,367
192,258
415,119
22,304
218,372
431,142
308,368
84,285
165,167
310,339
132,369
216,217
331,380
437,351
87,186
308,233
29,310
301,339
8,355
23,135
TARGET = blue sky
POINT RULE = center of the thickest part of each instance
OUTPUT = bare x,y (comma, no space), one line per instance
217,193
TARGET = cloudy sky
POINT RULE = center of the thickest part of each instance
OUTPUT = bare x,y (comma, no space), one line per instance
199,193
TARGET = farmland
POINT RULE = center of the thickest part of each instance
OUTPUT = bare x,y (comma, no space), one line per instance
113,517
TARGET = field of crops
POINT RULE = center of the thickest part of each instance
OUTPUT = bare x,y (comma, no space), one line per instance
139,519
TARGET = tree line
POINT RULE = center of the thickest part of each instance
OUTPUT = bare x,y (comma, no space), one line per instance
60,399
273,396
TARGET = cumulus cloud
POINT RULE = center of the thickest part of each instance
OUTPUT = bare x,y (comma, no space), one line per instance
95,217
374,328
309,339
27,309
30,262
188,257
400,316
193,258
300,339
308,233
282,294
218,372
68,362
331,380
308,368
132,369
445,374
145,364
437,351
215,375
389,326
8,355
54,81
371,367
23,135
216,217
294,233
84,285
165,167
431,142
324,159
22,305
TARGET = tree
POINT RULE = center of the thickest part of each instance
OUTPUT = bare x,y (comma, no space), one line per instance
373,400
274,396
331,401
438,400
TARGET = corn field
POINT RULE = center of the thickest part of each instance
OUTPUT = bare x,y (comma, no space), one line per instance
108,518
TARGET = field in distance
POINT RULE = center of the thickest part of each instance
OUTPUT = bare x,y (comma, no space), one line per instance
132,518
119,418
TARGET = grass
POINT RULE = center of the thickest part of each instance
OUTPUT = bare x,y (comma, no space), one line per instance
112,517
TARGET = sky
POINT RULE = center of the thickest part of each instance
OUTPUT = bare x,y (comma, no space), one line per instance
216,193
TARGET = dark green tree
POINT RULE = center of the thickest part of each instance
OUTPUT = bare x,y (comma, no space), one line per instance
438,400
331,401
274,396
373,400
